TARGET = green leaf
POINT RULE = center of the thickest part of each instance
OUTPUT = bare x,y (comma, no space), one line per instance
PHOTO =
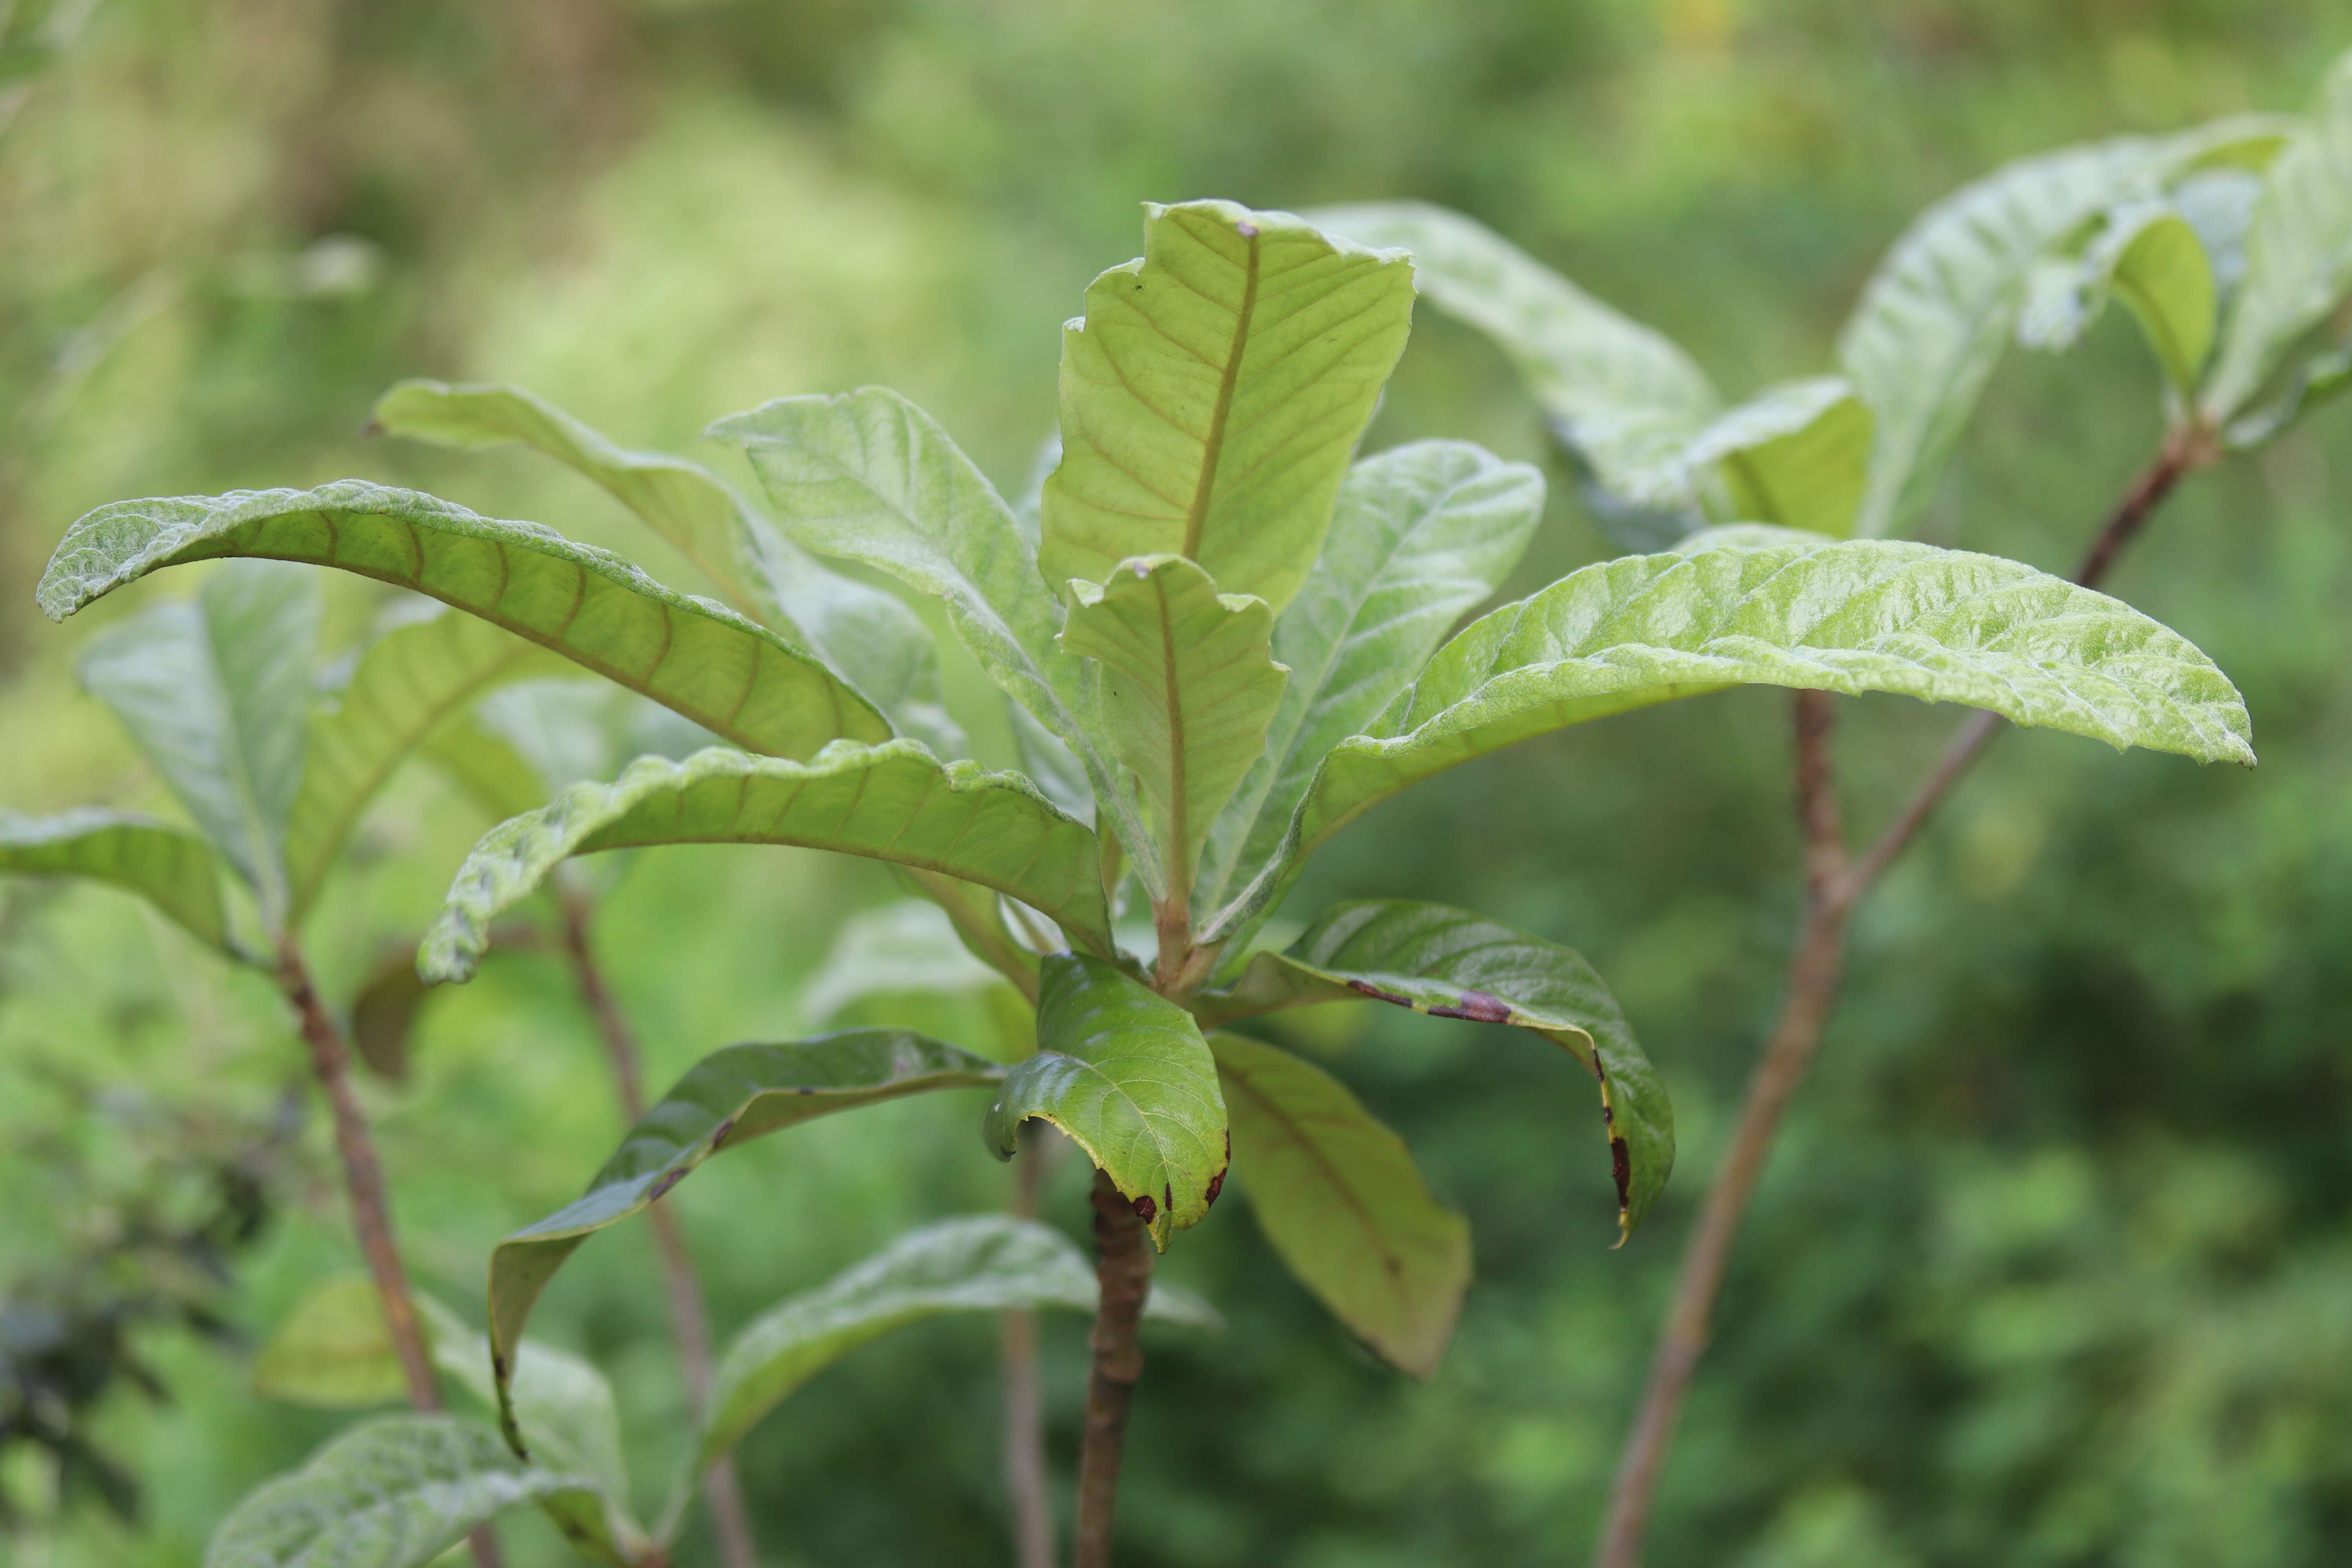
2298,253
977,913
910,946
218,694
1421,533
407,684
393,1494
1342,1204
1797,455
737,680
1856,616
986,1263
2151,257
893,801
1451,963
1189,687
872,639
1622,395
333,1351
1212,393
571,730
174,870
729,1097
1124,1072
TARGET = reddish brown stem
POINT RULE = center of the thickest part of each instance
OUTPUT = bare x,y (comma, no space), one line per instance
1023,1436
1123,1271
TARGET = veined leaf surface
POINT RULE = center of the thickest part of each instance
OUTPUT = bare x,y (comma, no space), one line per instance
1421,534
174,870
1342,1203
1212,393
1451,963
1123,1071
893,801
734,678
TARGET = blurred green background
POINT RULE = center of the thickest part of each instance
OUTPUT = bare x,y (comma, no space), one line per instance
2054,1263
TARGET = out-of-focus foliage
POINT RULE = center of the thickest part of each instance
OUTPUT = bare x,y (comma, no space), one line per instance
2051,1268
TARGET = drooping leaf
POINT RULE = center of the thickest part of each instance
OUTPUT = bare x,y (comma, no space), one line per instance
1189,687
727,1099
735,678
1343,1205
1421,534
2151,257
985,1263
393,1494
1451,963
175,870
1852,616
1212,393
1797,455
216,693
1124,1072
893,801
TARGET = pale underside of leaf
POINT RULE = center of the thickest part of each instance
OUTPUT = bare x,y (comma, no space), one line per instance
171,869
1797,455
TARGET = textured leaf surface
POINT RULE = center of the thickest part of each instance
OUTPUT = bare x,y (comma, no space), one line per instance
1342,1204
1797,455
729,1097
216,691
1189,686
1451,963
1212,393
175,870
1124,1072
892,802
737,680
393,1494
1422,534
987,1263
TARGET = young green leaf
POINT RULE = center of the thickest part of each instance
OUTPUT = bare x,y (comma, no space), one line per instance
2152,258
393,1494
1450,964
1421,534
1855,615
1212,393
1124,1072
174,871
893,801
218,694
1797,455
1189,687
332,1351
986,1263
735,678
1342,1204
727,1099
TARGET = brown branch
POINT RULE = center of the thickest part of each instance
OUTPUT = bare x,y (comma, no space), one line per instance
1123,1270
1024,1437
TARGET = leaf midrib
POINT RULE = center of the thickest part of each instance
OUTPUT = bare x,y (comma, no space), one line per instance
1220,413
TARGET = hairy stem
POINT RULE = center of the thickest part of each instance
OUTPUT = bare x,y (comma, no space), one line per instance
1023,1440
1123,1270
730,1521
1832,889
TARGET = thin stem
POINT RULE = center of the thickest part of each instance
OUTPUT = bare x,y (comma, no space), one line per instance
1023,1440
1123,1270
730,1521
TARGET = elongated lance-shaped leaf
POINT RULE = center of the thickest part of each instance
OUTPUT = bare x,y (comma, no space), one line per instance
734,678
175,870
218,694
1213,392
394,1494
872,639
1421,533
727,1099
1797,455
2150,256
1342,1203
893,801
1450,964
1624,396
2298,252
408,683
985,1263
1189,687
1124,1072
1852,616
869,476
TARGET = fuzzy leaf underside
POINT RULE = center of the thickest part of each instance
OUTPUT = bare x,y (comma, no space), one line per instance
171,869
734,678
727,1099
1450,964
1123,1071
1212,393
892,802
1342,1204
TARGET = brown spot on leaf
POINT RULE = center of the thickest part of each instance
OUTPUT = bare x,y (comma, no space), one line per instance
669,1179
1246,230
1367,988
1478,1007
1168,1191
1216,1185
718,1133
498,1366
1621,1165
1146,1210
